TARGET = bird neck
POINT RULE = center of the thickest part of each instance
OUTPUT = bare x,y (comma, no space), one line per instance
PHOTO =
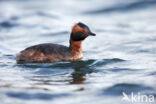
76,48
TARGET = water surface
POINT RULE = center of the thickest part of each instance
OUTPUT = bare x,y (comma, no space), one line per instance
121,58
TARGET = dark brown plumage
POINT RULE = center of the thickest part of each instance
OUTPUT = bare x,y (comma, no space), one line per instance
48,52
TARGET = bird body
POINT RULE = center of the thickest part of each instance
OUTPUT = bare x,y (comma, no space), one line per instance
49,52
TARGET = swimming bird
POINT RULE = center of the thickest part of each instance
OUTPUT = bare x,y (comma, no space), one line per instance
49,52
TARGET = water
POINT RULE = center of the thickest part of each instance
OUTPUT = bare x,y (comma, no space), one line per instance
121,58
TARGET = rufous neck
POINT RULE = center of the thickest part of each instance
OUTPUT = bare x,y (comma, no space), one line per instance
76,47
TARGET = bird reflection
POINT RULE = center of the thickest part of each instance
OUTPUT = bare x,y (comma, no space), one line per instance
79,74
53,75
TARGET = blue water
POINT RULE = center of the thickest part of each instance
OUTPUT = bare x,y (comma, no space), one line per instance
121,58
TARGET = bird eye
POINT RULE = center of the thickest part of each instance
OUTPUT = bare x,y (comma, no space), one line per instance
84,32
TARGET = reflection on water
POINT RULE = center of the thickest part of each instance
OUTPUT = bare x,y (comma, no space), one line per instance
120,58
78,77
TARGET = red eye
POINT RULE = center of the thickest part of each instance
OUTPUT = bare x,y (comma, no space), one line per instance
84,31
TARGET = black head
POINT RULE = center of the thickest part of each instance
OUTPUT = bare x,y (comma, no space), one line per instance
80,31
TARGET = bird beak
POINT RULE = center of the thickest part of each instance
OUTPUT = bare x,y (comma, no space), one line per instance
92,34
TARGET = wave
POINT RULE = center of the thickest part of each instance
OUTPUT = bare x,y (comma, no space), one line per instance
30,96
124,8
128,88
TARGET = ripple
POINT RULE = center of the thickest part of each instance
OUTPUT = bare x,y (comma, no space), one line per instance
117,89
7,24
152,73
107,61
59,65
41,13
59,68
9,56
51,71
120,69
32,96
55,34
124,8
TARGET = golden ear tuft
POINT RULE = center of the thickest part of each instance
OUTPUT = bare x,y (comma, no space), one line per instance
76,28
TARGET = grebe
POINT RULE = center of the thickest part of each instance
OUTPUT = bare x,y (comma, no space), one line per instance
49,53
